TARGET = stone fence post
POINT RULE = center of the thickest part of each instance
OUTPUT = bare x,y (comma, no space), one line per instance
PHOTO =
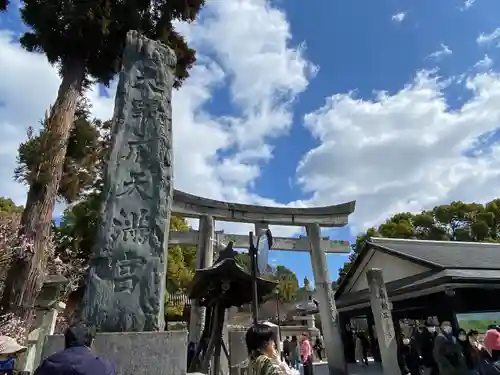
238,350
48,308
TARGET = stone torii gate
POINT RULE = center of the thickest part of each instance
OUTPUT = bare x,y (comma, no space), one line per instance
126,279
209,210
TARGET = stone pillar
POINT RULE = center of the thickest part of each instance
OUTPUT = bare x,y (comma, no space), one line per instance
45,320
237,349
381,308
36,338
310,322
126,284
259,228
204,259
328,310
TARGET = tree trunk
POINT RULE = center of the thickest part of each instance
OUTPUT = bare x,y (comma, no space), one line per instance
25,277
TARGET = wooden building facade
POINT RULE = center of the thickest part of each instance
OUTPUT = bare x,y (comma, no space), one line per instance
424,279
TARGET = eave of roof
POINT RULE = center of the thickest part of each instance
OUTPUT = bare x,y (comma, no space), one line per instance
372,244
384,245
425,281
446,254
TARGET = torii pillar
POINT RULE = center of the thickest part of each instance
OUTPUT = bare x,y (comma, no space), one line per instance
204,259
328,311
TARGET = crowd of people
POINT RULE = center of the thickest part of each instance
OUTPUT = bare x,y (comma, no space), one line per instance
431,351
437,351
291,349
78,356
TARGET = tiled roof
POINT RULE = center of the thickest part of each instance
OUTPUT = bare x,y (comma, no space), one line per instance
423,281
446,254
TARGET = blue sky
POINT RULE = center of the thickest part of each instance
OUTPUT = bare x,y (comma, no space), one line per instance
285,107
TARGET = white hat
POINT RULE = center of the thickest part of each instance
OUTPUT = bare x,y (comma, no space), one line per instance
8,345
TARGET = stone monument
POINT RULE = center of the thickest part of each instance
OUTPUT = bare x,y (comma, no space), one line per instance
381,308
124,297
126,282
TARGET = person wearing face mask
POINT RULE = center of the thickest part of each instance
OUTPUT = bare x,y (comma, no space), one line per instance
478,350
9,351
426,346
448,352
491,364
408,358
306,354
469,352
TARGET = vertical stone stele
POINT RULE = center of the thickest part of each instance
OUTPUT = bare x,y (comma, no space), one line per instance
126,282
381,309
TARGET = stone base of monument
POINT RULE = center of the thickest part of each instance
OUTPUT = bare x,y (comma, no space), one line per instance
237,349
136,353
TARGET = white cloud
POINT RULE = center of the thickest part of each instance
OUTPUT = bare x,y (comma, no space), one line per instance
444,51
405,151
251,43
485,63
399,17
400,152
467,4
485,39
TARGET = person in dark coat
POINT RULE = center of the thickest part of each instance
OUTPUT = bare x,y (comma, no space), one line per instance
77,358
426,346
468,350
365,345
408,358
448,352
286,350
318,348
191,351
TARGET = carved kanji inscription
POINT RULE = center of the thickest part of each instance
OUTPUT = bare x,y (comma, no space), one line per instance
132,226
125,287
125,272
138,182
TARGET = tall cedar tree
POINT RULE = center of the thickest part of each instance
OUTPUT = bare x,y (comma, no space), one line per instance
81,168
85,39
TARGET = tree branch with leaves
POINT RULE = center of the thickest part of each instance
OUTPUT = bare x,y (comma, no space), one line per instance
85,40
457,221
